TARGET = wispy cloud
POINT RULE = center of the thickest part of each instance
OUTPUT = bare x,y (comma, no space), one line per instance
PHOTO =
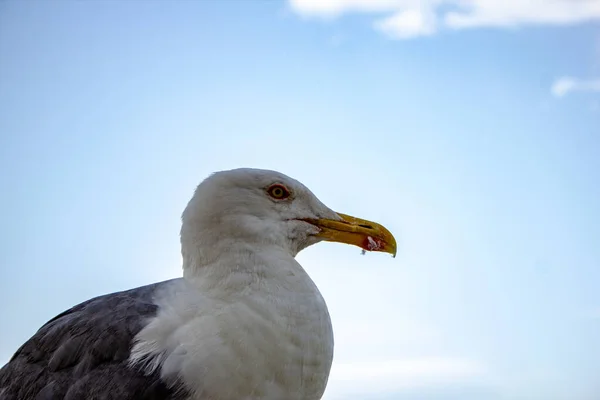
402,374
410,372
565,85
412,18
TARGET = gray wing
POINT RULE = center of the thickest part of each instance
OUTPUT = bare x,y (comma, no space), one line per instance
82,354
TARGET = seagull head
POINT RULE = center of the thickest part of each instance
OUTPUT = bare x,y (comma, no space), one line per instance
262,207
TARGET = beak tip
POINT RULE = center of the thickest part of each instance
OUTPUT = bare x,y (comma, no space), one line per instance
393,252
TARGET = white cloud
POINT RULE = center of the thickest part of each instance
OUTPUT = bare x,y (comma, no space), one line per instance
402,374
510,13
563,86
408,23
410,18
333,8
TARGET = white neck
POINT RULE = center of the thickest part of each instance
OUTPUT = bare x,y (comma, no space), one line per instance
244,268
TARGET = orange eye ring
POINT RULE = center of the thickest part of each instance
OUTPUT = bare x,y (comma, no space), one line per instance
278,192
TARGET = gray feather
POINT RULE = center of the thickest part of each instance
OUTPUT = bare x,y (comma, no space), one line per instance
82,354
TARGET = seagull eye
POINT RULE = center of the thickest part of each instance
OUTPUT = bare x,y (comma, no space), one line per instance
278,192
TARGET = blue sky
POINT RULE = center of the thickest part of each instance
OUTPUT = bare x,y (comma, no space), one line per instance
470,130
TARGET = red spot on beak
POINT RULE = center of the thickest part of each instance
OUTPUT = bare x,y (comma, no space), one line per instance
372,244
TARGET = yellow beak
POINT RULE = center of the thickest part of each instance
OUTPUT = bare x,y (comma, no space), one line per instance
367,235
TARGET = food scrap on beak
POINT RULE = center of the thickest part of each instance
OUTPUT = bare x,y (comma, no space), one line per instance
368,235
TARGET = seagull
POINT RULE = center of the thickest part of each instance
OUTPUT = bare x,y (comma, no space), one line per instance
245,322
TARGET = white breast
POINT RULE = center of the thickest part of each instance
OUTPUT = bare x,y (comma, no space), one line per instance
269,340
